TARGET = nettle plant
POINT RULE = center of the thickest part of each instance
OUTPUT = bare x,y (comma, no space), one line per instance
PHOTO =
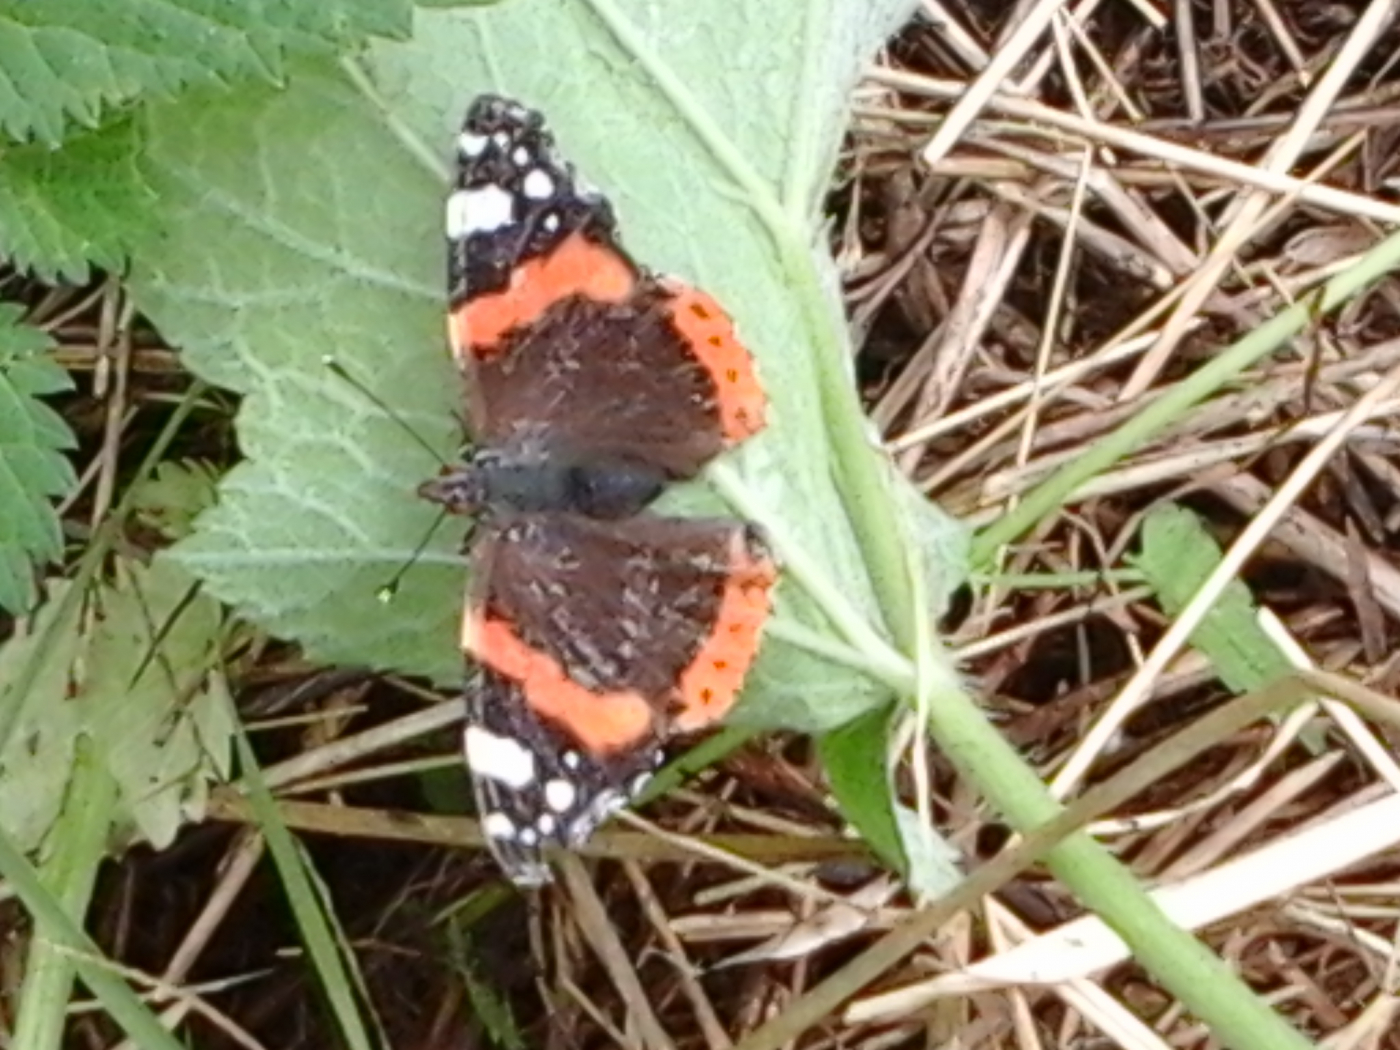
267,188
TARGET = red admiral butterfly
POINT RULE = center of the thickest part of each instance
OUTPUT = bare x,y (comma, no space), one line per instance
599,630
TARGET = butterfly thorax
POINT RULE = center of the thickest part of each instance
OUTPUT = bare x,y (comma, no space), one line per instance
532,481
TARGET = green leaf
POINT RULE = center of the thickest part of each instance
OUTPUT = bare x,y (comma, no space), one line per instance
1177,556
153,701
175,496
935,864
149,698
942,542
857,768
299,227
307,222
62,209
489,1005
37,749
33,469
67,60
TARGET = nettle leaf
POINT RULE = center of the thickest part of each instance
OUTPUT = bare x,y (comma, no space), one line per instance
299,227
308,221
65,60
33,468
61,209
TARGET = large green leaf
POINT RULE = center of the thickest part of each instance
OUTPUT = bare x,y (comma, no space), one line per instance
33,468
307,221
64,60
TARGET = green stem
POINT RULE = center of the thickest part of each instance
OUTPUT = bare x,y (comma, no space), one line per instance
61,934
79,843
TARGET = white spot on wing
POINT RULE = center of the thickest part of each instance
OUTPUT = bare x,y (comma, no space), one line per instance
538,185
499,758
546,823
521,156
469,145
529,836
561,795
479,210
498,826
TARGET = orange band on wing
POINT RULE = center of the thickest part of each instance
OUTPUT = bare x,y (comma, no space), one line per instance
711,684
599,722
709,332
576,266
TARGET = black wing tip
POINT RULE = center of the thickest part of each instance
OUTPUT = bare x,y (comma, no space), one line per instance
491,112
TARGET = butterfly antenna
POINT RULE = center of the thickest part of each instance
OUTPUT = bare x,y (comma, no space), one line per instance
386,593
339,370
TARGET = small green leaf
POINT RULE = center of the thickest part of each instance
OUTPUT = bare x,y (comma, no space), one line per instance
36,753
33,469
152,698
935,865
856,761
857,768
942,542
177,494
490,1008
52,923
1177,556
